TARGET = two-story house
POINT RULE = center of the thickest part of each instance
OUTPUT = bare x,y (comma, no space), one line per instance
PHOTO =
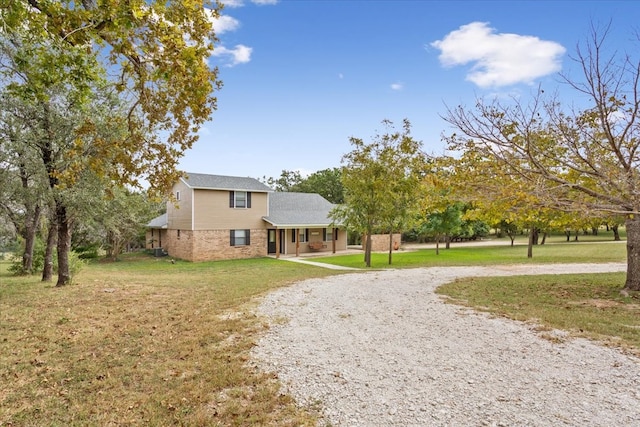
225,217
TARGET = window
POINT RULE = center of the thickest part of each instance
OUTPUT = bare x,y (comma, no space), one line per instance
328,234
240,237
240,199
303,235
178,196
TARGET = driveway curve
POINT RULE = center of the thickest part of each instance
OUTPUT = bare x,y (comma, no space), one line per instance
382,349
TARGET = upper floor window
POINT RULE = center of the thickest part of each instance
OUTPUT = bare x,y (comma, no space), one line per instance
177,195
239,199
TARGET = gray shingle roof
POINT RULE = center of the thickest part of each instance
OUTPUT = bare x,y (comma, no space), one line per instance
220,182
158,222
298,209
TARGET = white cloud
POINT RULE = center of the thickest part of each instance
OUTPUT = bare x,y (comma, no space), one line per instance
397,86
240,54
264,2
232,3
499,59
223,24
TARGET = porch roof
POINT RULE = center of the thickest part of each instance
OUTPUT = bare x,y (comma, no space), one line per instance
159,222
290,210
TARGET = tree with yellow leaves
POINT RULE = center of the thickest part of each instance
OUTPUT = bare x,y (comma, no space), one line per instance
575,160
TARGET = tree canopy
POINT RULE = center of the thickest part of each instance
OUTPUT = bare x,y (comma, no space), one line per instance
152,54
575,159
381,180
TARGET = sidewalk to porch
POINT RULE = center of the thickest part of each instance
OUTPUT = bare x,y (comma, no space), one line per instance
305,258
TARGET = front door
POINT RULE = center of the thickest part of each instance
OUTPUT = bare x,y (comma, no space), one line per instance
271,241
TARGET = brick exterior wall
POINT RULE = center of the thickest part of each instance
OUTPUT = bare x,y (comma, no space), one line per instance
180,247
209,245
380,242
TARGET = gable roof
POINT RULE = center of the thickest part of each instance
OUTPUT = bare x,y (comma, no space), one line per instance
288,209
221,182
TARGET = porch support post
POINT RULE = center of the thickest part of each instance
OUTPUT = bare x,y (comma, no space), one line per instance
295,230
333,240
277,243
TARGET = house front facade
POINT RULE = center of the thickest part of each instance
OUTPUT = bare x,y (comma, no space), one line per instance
222,217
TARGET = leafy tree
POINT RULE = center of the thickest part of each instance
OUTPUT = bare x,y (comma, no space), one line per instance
325,182
118,89
285,182
443,223
380,181
579,160
115,221
153,52
22,189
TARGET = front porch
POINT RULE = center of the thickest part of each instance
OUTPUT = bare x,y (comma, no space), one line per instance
299,241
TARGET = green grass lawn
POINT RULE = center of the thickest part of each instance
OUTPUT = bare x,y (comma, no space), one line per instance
487,255
145,341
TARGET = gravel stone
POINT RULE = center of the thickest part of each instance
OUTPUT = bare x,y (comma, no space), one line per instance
382,349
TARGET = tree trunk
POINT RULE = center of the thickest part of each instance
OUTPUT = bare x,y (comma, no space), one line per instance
367,250
447,241
64,244
616,233
52,234
632,225
438,244
30,230
390,246
544,238
532,233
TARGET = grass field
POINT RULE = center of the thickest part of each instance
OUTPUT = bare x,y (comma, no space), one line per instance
486,255
141,342
589,306
148,342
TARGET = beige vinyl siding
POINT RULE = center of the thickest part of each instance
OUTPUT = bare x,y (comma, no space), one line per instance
179,218
212,211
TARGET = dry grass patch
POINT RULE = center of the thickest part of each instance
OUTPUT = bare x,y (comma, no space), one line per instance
589,306
142,342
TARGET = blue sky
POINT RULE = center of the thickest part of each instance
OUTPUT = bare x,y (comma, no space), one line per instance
302,76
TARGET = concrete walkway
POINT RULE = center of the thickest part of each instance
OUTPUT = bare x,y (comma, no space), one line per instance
318,264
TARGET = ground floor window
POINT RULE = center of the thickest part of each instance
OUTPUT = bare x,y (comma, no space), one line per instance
240,237
303,235
328,234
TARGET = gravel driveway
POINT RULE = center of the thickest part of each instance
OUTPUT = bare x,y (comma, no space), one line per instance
381,349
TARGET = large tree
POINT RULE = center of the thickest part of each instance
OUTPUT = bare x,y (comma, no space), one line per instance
153,52
577,158
380,181
68,59
326,182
